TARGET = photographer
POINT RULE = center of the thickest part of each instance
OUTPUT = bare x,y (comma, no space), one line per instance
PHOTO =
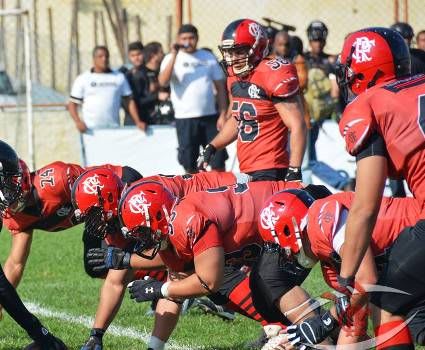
192,75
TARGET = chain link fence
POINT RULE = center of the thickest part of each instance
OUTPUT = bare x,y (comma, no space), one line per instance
63,34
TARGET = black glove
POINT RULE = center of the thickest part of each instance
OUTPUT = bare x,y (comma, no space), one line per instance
95,340
108,258
47,342
205,156
293,174
312,331
146,290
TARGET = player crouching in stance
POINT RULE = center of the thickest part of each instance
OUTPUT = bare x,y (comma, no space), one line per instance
11,193
308,232
95,196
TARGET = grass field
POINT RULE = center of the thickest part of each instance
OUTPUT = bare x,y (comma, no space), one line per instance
57,289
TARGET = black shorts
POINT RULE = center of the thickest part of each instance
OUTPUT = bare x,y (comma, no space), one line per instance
191,134
271,277
232,277
404,271
130,175
417,324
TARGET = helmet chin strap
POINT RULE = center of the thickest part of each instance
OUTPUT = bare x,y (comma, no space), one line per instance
303,259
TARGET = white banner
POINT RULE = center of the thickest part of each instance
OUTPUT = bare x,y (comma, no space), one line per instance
150,153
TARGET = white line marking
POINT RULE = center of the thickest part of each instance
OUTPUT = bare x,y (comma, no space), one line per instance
87,321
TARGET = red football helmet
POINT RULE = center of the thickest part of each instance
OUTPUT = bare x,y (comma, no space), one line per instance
247,41
144,213
95,195
371,56
283,220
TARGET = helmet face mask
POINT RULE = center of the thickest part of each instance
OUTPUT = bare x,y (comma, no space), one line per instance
144,213
236,60
95,196
14,188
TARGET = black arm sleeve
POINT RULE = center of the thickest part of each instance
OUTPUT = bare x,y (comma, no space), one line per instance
375,147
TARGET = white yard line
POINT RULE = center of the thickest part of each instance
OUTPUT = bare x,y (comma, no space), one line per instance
87,321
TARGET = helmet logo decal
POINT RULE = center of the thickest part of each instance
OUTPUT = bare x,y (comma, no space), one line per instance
138,203
91,184
362,47
254,91
255,30
268,218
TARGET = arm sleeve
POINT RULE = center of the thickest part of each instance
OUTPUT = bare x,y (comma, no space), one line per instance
209,238
77,91
284,83
375,147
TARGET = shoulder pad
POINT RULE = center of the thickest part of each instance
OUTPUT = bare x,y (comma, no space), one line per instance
355,126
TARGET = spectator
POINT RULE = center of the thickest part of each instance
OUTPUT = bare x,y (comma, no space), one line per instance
322,91
417,56
160,96
143,79
193,74
99,91
420,40
282,47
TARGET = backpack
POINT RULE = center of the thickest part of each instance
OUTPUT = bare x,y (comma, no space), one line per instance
318,95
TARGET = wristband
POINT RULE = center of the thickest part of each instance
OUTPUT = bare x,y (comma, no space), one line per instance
126,260
164,289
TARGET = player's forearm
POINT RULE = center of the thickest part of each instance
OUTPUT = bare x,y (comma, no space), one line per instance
139,263
359,225
297,144
190,287
132,109
227,135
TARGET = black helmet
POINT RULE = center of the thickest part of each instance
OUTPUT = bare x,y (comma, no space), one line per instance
11,177
405,29
317,30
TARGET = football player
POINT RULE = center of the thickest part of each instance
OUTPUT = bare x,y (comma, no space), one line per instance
316,231
11,180
95,195
212,233
384,127
265,105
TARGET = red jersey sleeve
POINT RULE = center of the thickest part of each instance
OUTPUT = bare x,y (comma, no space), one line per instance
192,232
325,219
357,125
282,79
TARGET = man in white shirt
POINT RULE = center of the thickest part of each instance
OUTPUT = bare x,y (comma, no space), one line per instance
100,91
197,89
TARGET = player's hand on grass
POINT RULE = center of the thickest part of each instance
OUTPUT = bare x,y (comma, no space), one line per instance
108,258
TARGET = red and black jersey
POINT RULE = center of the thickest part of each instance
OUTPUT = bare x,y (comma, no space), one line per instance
396,111
222,217
263,136
51,191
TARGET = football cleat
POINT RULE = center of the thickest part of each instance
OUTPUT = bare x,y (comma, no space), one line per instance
207,306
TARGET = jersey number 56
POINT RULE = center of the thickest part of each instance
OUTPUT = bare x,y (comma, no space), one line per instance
246,114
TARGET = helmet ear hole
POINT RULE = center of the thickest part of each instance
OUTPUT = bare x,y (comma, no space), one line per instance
110,197
286,231
360,76
158,216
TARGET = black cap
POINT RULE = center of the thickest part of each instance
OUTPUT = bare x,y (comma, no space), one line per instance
188,28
